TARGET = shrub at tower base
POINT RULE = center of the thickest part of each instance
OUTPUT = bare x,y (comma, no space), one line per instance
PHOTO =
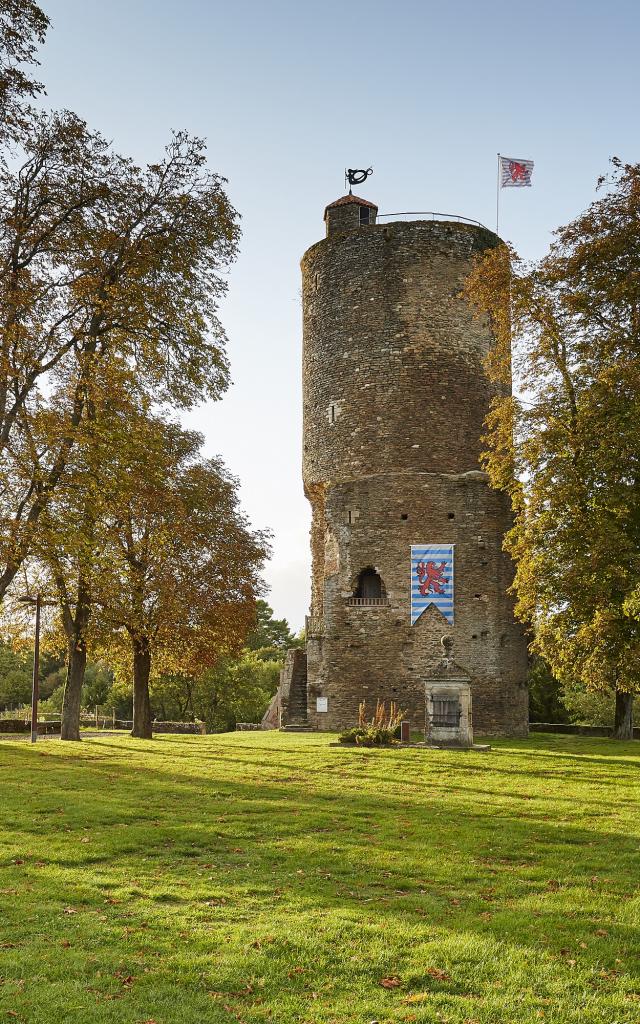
377,731
568,457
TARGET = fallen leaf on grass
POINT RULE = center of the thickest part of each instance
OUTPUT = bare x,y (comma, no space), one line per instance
435,972
601,933
391,982
125,979
417,997
108,996
69,910
65,944
257,943
294,971
553,884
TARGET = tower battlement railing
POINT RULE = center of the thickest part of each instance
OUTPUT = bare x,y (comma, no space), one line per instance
433,215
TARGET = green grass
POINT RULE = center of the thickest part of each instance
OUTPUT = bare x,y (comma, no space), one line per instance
264,877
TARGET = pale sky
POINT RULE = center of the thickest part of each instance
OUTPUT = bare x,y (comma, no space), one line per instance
288,93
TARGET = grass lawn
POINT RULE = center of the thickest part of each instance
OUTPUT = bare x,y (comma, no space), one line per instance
269,877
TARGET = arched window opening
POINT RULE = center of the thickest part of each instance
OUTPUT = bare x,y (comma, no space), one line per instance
369,584
369,589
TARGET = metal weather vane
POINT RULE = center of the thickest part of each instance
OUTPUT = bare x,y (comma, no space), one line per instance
353,176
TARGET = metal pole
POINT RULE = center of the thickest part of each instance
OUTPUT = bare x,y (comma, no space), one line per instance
498,197
35,693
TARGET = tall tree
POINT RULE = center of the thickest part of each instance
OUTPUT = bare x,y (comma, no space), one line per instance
110,276
181,576
569,455
71,544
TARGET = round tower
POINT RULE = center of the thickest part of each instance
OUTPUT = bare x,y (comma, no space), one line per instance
395,397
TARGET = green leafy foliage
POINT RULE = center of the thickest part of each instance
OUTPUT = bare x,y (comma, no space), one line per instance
235,689
16,675
546,695
270,638
588,707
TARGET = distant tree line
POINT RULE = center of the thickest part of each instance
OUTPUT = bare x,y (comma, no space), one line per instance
236,689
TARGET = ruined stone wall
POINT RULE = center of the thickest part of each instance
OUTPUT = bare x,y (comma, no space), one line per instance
394,402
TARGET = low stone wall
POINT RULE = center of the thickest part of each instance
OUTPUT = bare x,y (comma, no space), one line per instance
575,730
189,728
18,725
10,725
247,726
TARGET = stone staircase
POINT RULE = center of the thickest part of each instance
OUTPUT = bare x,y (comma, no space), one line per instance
293,689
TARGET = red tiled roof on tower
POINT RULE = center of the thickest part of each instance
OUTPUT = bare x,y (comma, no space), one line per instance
346,200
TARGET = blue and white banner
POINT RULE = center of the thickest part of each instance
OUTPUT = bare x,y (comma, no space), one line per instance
431,579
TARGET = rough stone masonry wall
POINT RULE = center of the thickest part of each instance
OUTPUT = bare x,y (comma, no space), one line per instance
394,402
374,652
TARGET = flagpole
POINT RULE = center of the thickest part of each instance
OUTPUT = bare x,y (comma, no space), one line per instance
498,197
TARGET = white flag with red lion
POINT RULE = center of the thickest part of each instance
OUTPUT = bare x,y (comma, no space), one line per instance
515,173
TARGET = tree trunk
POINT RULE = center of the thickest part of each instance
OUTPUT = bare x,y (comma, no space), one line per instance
75,627
623,726
141,701
71,701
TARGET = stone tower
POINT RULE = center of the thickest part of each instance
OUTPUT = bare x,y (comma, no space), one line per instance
394,402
